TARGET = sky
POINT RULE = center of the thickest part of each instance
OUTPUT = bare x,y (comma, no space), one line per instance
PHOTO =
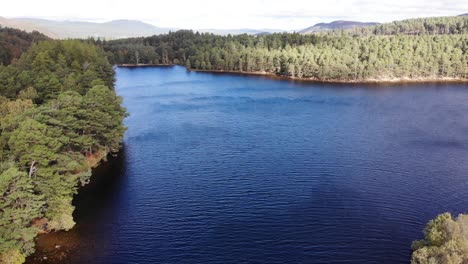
234,14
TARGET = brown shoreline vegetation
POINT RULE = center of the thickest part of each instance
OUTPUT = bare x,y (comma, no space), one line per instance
132,65
383,80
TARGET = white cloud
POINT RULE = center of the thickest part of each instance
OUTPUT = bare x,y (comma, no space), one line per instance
196,14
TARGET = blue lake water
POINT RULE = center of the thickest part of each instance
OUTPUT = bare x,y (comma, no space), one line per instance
220,168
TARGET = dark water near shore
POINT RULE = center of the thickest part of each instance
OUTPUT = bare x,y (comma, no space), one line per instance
239,169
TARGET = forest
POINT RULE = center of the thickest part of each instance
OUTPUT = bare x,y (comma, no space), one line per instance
59,117
13,42
418,26
431,49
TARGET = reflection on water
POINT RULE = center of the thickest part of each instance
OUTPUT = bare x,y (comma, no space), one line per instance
240,169
96,204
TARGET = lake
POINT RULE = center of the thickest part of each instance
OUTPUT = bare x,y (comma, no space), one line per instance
221,168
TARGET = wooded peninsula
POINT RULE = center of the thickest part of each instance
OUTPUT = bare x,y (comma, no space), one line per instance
429,49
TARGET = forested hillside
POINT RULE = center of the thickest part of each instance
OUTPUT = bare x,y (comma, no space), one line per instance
59,116
399,50
419,26
14,42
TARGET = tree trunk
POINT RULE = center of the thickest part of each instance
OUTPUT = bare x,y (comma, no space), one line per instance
32,169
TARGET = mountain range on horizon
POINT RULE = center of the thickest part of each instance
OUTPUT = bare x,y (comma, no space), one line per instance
117,29
79,29
339,24
114,29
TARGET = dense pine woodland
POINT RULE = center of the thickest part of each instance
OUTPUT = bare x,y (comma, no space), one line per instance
14,42
59,116
430,48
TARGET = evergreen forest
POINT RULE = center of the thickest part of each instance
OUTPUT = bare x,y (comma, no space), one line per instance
416,49
59,117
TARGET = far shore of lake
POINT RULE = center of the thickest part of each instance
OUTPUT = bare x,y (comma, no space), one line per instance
383,80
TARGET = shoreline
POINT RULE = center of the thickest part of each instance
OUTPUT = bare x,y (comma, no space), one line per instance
365,81
312,80
93,161
132,65
58,246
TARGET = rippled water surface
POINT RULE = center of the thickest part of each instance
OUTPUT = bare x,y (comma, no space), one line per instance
239,169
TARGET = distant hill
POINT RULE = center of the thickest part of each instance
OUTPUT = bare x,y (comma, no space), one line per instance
340,24
14,42
115,29
78,29
28,27
464,14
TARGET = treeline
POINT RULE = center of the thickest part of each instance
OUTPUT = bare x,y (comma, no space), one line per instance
345,58
13,42
419,26
178,47
335,56
59,116
52,67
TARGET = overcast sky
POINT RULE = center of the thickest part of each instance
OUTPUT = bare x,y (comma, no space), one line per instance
234,14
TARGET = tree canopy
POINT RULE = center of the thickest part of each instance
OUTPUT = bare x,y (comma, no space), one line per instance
430,48
59,114
445,241
13,42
